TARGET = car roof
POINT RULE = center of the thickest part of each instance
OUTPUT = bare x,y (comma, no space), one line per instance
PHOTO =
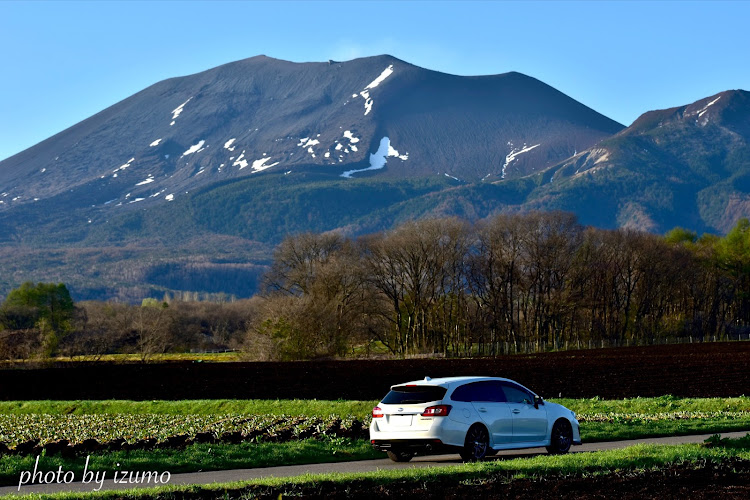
449,382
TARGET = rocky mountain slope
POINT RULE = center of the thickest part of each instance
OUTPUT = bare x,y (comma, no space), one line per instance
686,166
372,116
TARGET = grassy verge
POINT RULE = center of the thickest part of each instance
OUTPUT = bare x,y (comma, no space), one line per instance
221,456
655,406
198,457
213,357
594,432
635,458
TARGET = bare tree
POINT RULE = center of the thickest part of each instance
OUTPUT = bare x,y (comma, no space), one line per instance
151,328
298,259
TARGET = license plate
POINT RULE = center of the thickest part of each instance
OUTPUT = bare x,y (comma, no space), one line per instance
400,420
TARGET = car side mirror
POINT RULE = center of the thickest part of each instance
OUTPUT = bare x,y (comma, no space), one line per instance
538,401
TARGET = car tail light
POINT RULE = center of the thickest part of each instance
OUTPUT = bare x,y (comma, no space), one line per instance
377,412
437,411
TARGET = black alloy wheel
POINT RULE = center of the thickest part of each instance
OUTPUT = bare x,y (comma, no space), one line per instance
561,438
476,445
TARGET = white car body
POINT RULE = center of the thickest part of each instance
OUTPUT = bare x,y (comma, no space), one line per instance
527,421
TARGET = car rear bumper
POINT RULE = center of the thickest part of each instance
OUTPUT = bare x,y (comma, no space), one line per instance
424,446
441,429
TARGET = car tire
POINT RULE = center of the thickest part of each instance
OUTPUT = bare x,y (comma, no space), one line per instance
476,444
399,455
561,438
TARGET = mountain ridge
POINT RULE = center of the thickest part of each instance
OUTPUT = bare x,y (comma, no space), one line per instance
682,160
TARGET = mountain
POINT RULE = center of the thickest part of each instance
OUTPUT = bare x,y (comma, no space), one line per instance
263,114
187,186
686,166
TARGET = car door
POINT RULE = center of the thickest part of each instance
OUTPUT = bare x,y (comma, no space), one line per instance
488,399
529,423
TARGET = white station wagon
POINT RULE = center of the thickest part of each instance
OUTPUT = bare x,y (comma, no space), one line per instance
476,416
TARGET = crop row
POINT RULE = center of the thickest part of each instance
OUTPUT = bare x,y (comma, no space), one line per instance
32,433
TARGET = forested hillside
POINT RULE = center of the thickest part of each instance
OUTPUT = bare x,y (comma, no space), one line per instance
447,287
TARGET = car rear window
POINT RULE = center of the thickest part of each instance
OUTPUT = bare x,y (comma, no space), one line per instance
414,394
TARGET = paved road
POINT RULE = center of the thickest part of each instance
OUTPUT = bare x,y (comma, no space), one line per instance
358,466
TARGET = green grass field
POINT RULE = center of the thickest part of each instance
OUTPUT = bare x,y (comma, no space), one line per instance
631,459
206,457
601,420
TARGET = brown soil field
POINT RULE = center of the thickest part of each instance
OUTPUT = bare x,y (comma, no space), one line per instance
697,370
730,479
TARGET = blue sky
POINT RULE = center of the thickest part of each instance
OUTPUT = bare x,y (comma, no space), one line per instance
64,61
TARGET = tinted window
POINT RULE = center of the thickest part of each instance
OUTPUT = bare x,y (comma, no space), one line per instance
515,394
486,391
414,394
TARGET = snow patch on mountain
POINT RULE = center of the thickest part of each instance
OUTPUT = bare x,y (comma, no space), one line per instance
194,148
379,158
348,134
228,144
178,111
123,167
147,181
394,152
513,155
366,92
259,165
155,143
385,74
240,161
705,108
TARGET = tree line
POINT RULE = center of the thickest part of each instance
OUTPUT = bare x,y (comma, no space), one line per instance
41,321
448,287
512,283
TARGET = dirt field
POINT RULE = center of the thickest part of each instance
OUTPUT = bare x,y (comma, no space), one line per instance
730,479
697,370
